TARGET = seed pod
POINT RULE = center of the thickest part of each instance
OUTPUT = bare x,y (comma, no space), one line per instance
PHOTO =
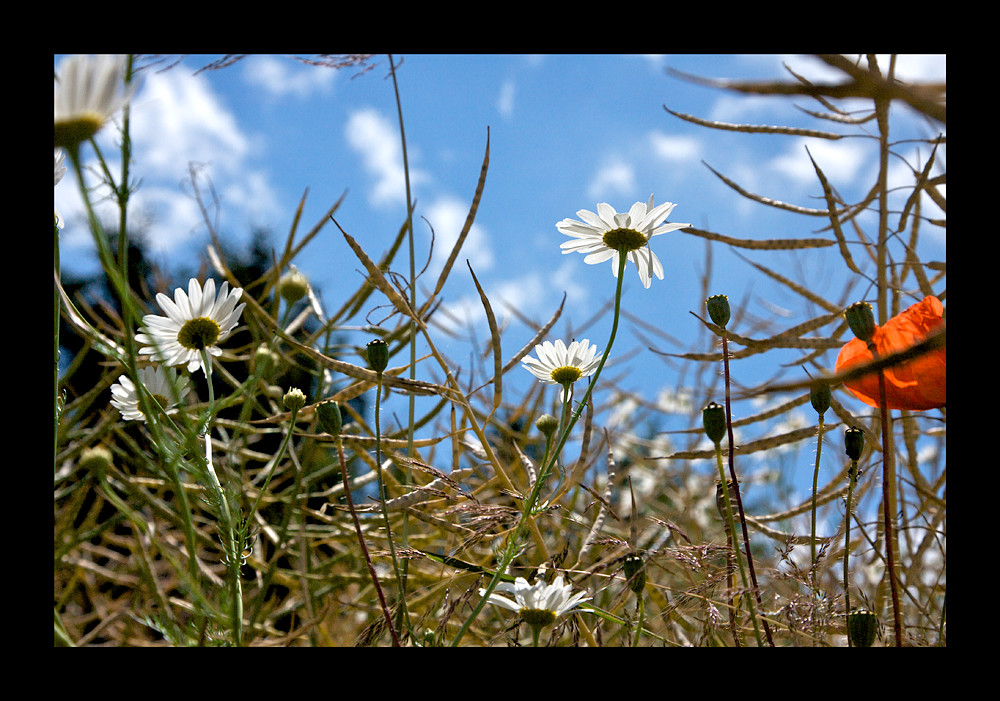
378,354
820,396
854,442
330,420
635,572
861,319
714,418
718,309
862,627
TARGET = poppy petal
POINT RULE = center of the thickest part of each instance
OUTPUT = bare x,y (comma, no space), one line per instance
918,384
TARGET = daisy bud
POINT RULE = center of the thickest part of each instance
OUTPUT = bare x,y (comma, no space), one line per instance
862,627
96,459
820,395
265,361
547,424
294,399
714,418
378,354
293,285
718,309
329,417
861,319
854,442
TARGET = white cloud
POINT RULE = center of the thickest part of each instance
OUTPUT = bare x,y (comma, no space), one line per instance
675,148
280,76
505,102
447,216
176,121
615,177
840,161
376,139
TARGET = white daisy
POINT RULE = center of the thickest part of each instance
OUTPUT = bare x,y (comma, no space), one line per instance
539,604
559,365
608,234
160,383
195,321
88,91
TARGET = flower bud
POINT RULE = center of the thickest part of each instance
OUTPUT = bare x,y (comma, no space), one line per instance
293,285
861,319
714,418
266,361
378,354
862,627
547,424
820,396
330,420
718,309
96,459
854,442
294,399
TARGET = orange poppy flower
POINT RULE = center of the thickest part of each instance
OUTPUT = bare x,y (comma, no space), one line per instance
917,384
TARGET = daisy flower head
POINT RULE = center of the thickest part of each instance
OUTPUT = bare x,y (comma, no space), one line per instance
539,604
88,91
558,365
195,322
161,383
610,234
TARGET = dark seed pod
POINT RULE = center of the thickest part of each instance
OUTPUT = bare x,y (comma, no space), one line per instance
718,309
862,627
714,418
378,354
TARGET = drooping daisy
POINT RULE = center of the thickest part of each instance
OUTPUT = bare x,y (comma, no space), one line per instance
195,321
609,234
159,382
539,604
88,91
558,365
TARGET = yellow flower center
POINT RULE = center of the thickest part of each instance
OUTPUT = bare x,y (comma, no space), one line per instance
566,373
624,240
199,333
161,400
538,618
70,132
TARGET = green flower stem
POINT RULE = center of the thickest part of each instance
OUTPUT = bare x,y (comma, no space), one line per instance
529,503
382,498
736,485
888,500
735,548
233,549
361,541
812,541
853,475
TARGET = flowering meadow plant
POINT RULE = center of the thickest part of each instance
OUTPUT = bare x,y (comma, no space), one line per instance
240,460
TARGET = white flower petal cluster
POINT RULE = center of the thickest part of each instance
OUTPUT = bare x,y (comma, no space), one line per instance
195,321
557,598
556,362
590,235
158,382
88,92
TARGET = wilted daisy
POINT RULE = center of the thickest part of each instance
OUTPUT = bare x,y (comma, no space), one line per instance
159,382
195,322
538,604
88,91
608,234
558,365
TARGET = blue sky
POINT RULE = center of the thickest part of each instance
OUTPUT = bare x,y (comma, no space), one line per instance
566,132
